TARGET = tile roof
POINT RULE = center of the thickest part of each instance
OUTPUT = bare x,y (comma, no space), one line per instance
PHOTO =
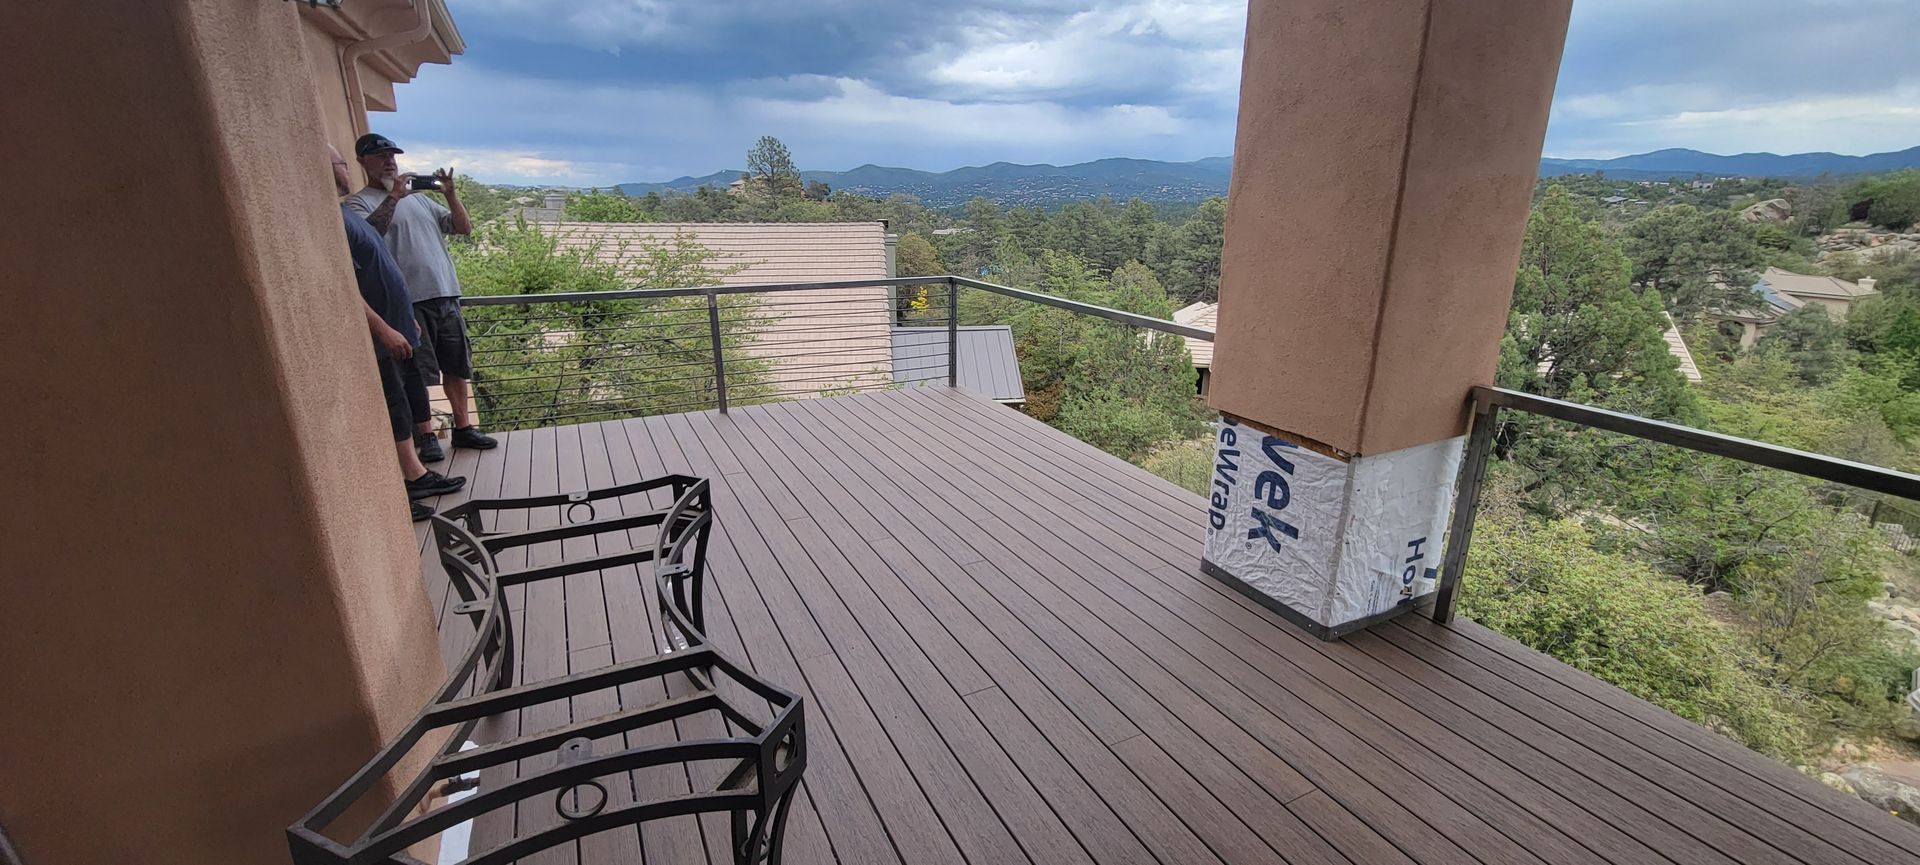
1677,346
843,332
1801,285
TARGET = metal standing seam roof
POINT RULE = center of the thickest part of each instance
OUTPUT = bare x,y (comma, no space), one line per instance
851,322
988,365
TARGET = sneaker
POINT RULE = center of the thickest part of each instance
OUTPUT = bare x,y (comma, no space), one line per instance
429,447
420,512
433,484
472,437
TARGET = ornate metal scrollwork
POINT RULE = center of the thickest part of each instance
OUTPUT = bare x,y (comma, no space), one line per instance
767,753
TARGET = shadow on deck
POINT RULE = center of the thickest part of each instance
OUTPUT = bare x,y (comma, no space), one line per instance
1009,656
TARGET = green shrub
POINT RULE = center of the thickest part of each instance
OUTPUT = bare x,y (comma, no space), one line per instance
1544,584
1187,463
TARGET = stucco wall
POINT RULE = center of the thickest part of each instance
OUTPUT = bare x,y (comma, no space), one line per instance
1385,156
212,601
323,65
1837,309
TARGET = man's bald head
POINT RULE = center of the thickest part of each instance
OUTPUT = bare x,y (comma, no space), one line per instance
342,180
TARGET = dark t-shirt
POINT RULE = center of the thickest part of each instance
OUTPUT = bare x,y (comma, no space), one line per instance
380,281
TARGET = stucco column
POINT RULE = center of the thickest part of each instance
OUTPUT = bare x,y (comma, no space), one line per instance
1386,154
210,601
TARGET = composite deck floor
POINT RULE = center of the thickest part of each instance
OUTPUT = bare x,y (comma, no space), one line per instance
1008,656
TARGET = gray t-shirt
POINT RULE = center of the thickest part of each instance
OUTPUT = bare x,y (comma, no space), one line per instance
417,239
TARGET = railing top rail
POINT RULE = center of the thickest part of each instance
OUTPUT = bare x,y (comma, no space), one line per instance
692,291
1819,466
1122,316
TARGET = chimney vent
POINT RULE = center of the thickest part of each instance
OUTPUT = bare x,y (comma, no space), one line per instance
556,201
1867,283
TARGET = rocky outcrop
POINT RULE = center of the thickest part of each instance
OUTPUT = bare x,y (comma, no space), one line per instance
1775,210
1898,795
1859,239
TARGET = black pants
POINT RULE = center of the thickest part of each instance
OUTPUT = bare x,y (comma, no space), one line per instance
406,393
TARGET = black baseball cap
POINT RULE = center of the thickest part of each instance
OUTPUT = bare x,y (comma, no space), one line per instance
372,143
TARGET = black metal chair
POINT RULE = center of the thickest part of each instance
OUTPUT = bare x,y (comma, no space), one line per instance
768,755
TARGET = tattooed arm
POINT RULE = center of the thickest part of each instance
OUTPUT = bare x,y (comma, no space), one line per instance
382,216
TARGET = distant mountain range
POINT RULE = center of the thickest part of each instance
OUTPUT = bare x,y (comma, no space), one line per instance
1007,183
1153,180
1663,164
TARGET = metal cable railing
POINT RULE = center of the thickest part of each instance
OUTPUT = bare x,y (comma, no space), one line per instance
1489,402
577,357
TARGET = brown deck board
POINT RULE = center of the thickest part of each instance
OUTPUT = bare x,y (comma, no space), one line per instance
774,641
1170,710
516,468
1008,657
1778,775
1339,757
921,650
1766,810
1385,730
623,619
1614,847
739,622
907,742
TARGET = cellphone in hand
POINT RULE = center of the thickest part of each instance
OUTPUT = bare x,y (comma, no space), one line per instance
425,181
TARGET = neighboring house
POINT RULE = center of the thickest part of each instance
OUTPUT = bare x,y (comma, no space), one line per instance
819,340
1783,291
1200,315
988,365
553,208
1676,346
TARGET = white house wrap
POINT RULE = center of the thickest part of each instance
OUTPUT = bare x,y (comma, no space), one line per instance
1332,541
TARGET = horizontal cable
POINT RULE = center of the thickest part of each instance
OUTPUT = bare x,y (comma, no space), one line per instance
790,396
875,316
677,397
848,376
775,301
694,321
1817,466
705,349
771,319
549,420
839,340
1133,318
486,313
692,291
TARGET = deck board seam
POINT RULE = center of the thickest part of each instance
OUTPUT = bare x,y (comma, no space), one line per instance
928,457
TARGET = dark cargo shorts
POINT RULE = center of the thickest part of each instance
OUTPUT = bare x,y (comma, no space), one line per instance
443,340
406,394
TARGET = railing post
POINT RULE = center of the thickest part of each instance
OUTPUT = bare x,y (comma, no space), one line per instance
953,333
719,355
1466,506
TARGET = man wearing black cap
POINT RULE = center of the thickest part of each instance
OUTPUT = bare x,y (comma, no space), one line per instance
416,229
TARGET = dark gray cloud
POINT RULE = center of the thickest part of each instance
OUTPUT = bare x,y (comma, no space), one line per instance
609,90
